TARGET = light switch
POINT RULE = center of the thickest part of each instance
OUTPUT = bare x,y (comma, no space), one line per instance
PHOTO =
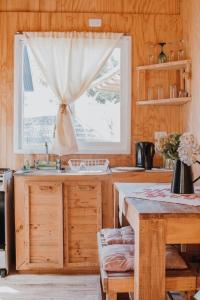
95,22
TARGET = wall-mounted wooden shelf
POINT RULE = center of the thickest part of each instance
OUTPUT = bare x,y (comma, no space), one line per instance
171,65
180,77
169,101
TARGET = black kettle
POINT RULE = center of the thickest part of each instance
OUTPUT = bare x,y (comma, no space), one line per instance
144,155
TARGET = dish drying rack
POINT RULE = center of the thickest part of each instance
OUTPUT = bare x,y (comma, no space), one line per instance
93,165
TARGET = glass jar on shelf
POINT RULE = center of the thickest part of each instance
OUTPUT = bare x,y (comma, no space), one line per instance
151,54
150,93
171,55
160,92
181,54
181,51
173,91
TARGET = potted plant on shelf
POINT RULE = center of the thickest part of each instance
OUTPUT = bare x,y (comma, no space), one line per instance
184,150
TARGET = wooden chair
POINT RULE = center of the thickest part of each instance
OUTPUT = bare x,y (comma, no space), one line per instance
114,283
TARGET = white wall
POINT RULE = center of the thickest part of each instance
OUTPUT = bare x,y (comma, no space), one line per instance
191,31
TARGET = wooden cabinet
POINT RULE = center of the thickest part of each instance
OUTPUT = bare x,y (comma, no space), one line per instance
82,220
56,224
43,225
57,218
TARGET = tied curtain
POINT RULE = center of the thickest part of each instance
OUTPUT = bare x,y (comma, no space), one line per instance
69,62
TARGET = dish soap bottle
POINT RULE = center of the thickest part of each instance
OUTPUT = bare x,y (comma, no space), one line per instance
26,165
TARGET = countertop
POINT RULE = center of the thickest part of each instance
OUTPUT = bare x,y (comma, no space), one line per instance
66,172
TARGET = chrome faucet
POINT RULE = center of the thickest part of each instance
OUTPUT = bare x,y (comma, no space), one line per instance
47,152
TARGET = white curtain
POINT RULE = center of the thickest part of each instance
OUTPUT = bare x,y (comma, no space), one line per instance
69,61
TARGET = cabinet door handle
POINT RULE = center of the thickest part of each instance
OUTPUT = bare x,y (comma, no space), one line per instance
86,187
45,187
83,187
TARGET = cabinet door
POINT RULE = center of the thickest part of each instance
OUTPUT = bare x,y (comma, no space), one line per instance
82,219
43,225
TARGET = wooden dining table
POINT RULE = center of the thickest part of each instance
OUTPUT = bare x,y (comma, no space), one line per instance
155,224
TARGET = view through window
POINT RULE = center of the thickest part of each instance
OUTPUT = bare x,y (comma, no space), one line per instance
96,114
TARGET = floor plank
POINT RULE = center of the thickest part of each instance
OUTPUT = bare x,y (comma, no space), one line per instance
54,287
50,287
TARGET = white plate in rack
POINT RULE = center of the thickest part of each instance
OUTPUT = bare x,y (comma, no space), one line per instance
127,169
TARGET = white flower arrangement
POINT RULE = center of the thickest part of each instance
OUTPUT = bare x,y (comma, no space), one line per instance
176,146
188,150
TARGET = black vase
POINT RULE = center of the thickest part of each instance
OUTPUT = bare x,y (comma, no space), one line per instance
182,182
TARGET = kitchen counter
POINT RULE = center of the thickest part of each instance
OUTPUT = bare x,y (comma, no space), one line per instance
135,169
67,172
35,172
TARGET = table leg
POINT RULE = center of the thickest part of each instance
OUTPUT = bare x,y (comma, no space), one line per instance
149,281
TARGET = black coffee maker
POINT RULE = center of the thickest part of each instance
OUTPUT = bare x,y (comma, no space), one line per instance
144,155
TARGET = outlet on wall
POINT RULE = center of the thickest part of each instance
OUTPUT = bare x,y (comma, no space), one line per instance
158,134
95,22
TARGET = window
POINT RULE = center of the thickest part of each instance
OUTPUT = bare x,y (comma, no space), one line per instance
101,116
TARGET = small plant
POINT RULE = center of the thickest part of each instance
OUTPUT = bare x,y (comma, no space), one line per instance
179,146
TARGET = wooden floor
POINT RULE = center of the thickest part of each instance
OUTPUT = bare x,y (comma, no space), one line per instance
53,287
50,287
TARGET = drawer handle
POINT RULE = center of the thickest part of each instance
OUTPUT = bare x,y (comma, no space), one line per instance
45,188
86,187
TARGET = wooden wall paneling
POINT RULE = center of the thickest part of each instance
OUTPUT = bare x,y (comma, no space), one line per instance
92,6
12,21
3,90
50,5
22,5
104,6
15,22
56,22
3,5
142,28
187,9
24,23
113,6
152,7
45,21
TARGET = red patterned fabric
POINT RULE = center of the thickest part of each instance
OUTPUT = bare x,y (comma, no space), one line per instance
165,193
